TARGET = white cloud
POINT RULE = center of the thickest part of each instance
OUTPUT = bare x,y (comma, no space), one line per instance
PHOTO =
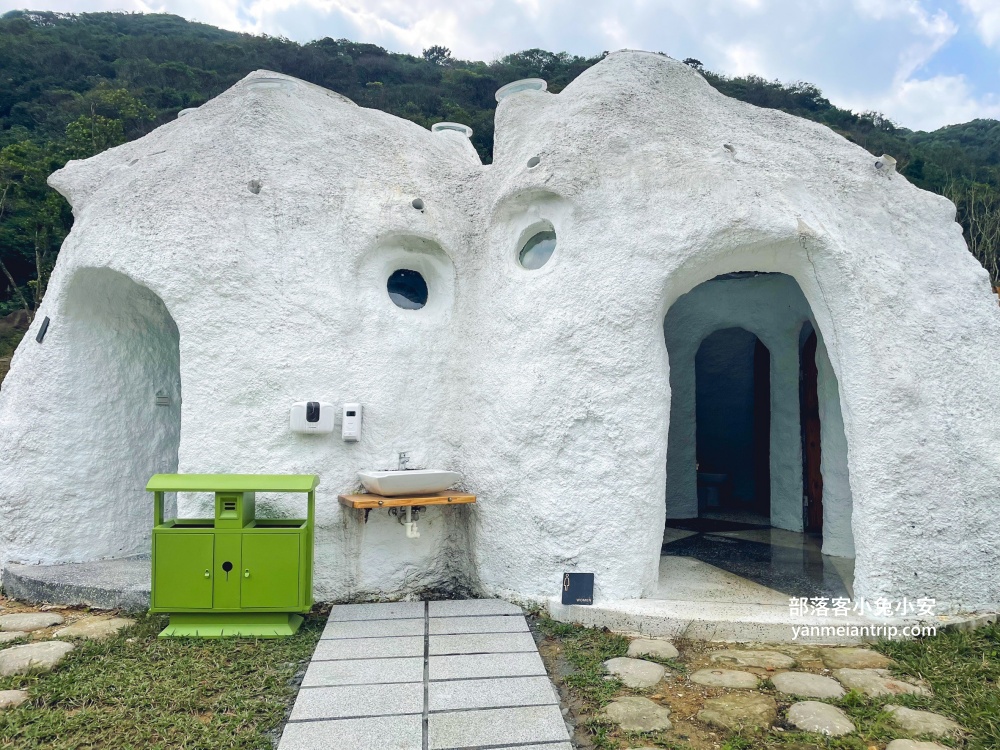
934,102
987,15
744,59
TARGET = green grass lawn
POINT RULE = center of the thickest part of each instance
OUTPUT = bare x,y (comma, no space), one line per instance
962,668
137,691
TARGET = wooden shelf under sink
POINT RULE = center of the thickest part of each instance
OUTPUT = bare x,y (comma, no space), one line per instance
367,501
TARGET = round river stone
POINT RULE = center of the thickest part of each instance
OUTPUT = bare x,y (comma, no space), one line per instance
652,647
923,722
812,716
635,714
808,685
12,698
726,678
853,658
33,657
876,683
740,710
28,621
762,659
636,673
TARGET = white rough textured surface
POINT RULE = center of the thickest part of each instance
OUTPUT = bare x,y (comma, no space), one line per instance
548,390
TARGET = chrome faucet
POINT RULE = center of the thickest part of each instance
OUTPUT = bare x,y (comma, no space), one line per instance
404,459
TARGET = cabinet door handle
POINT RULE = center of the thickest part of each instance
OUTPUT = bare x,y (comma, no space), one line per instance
207,574
246,573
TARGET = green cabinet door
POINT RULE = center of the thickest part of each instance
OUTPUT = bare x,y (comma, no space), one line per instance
228,571
270,571
182,575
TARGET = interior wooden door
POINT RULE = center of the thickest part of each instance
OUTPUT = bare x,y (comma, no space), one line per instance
811,450
762,428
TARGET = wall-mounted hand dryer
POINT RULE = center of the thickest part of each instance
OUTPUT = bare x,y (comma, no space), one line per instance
312,416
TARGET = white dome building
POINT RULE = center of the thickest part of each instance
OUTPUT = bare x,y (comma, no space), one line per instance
727,282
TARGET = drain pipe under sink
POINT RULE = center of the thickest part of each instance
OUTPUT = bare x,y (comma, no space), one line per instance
410,524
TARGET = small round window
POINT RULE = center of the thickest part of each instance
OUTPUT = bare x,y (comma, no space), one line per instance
537,250
407,289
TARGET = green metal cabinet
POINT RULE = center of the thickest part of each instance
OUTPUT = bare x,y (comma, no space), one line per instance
234,574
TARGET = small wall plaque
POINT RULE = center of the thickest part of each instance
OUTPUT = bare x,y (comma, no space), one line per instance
578,588
41,331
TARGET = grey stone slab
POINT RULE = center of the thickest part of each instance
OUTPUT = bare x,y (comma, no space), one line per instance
352,702
363,672
496,727
383,733
635,673
386,611
633,713
29,621
466,607
481,643
491,693
822,718
40,656
95,628
368,648
104,584
498,624
373,628
485,665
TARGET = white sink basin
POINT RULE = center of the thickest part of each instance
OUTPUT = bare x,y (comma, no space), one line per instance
412,482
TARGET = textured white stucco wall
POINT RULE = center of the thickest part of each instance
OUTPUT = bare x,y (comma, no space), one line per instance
548,390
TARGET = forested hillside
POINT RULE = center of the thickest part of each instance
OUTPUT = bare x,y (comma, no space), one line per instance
74,85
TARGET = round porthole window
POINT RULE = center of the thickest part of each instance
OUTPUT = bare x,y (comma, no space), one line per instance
537,250
407,289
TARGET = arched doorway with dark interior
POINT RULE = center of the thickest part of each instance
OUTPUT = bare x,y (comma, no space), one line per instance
755,429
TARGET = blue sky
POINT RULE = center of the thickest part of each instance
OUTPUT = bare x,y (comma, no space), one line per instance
925,63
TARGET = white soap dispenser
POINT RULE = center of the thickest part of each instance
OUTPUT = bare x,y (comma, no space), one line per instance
351,423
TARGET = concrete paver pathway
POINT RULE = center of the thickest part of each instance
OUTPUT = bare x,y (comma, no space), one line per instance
426,676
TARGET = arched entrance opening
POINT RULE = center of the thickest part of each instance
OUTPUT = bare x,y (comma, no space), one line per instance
122,403
757,490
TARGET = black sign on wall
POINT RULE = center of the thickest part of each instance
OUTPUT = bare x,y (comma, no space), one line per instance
578,588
